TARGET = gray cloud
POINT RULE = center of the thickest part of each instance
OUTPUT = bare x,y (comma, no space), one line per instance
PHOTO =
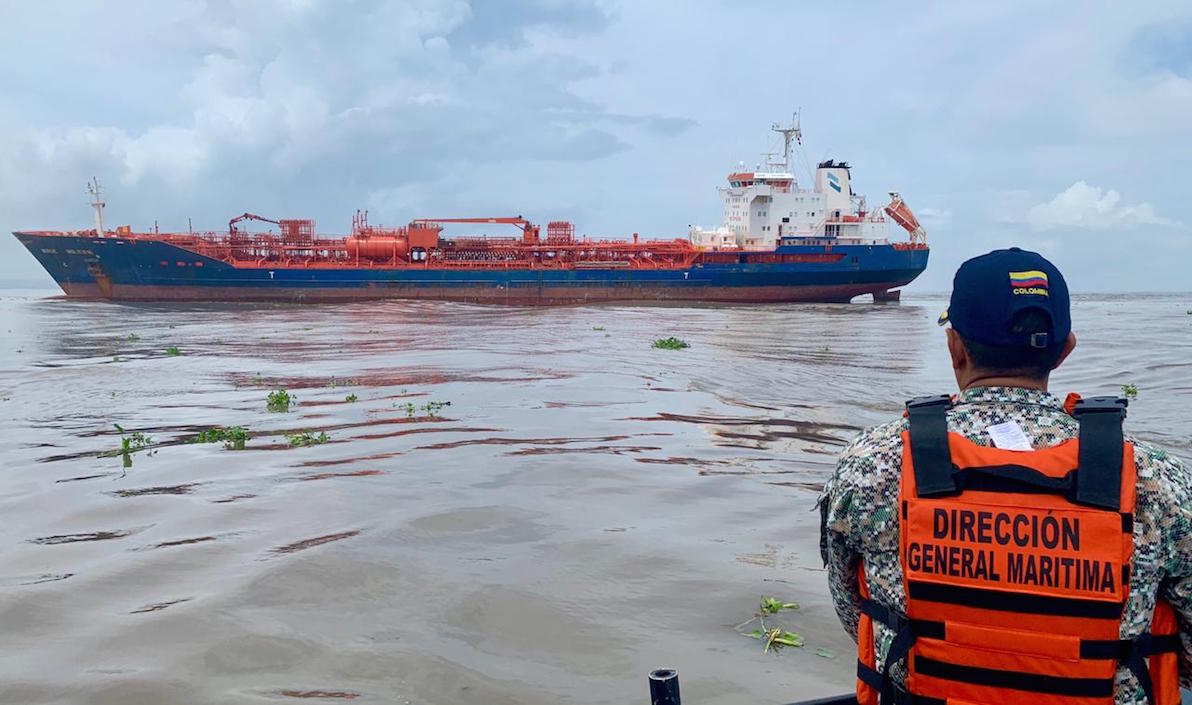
290,103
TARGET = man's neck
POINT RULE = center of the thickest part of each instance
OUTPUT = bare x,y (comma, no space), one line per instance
998,381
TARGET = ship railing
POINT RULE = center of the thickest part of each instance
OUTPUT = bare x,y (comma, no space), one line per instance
243,249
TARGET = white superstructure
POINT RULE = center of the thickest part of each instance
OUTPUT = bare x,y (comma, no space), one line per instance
766,208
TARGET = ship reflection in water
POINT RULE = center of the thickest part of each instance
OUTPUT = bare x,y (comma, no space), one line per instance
584,508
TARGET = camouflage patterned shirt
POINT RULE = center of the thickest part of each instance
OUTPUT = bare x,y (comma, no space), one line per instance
860,521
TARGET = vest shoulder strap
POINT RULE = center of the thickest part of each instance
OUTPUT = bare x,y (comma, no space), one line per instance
1099,475
930,454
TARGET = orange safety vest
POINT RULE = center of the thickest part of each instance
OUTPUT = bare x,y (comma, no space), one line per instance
1016,569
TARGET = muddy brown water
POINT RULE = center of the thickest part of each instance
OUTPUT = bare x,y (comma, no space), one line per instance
586,507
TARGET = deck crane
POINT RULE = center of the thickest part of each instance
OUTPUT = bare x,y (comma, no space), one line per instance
529,230
249,216
901,213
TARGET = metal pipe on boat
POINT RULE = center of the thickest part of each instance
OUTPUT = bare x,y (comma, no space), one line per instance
664,690
664,687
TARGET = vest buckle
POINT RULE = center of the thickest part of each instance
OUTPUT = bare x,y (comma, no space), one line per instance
929,401
1100,405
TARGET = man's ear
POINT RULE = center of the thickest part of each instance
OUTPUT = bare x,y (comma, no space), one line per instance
1069,346
957,349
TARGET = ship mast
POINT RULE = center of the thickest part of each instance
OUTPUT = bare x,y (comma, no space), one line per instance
94,188
788,133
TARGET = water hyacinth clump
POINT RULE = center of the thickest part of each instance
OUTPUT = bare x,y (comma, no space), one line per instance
233,438
307,438
430,408
279,401
671,343
130,443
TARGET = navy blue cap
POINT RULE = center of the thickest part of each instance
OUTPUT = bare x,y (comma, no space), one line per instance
989,290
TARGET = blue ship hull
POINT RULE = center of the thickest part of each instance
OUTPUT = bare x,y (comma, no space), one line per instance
150,270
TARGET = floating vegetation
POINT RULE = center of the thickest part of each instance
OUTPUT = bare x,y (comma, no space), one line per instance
772,605
130,443
233,438
350,398
431,409
598,328
307,438
774,637
279,401
133,337
671,343
173,351
1130,391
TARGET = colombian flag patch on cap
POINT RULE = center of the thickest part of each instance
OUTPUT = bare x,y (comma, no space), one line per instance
1031,282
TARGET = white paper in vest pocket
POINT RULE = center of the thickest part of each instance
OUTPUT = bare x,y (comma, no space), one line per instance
1009,436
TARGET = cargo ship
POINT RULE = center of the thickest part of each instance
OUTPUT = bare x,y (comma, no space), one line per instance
778,243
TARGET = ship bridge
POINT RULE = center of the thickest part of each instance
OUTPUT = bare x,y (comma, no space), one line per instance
766,208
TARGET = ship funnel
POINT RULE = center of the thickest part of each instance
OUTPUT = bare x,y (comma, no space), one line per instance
832,180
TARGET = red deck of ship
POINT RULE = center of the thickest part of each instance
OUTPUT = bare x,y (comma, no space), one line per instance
296,247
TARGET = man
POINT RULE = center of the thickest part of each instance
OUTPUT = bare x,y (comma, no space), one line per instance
974,544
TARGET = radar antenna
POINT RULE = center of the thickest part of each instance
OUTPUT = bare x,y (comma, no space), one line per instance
94,188
770,162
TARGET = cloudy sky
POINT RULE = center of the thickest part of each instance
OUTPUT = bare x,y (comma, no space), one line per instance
1061,127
